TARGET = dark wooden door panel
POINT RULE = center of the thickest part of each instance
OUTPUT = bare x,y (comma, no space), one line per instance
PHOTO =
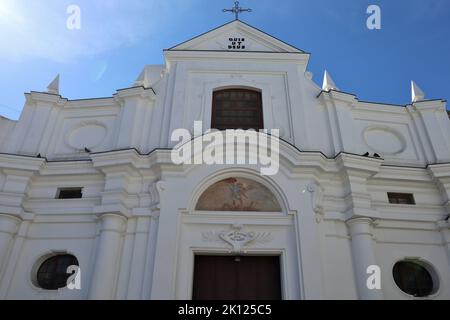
225,278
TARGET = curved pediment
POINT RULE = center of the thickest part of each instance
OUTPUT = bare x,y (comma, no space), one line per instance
236,36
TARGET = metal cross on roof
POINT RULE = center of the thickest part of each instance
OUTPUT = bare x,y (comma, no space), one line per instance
237,9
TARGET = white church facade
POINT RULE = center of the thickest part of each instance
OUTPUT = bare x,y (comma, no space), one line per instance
358,209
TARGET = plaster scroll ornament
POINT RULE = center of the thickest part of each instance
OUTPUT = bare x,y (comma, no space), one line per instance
237,238
155,194
161,186
316,192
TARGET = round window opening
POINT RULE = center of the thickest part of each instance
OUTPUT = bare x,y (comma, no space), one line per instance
415,278
52,273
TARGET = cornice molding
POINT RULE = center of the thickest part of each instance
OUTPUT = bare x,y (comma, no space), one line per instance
353,163
115,159
92,103
134,92
17,162
284,57
428,105
338,96
35,97
404,174
440,171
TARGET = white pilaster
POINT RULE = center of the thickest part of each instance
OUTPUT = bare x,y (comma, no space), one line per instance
363,256
150,261
340,119
360,216
9,226
309,243
134,102
139,258
41,107
104,277
356,172
444,228
17,172
434,118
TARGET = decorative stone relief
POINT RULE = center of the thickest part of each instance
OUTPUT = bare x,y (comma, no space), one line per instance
384,140
87,134
237,238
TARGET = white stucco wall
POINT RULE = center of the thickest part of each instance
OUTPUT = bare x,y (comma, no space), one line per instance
135,231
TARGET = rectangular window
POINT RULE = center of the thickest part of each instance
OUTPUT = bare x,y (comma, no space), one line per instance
70,193
237,109
401,198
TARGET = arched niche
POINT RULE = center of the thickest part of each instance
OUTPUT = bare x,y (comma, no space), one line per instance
238,194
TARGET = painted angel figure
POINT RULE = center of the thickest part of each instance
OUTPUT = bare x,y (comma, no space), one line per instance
238,193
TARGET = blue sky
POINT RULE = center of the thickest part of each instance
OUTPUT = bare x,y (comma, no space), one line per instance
118,37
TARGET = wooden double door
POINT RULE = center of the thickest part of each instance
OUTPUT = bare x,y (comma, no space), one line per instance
237,278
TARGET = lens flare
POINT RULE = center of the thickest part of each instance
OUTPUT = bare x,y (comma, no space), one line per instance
9,13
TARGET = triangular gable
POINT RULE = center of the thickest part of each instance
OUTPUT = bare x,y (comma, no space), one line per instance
236,36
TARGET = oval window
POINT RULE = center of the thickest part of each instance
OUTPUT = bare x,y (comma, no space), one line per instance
414,278
52,273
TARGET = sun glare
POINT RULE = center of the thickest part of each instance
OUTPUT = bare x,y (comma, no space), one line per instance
8,12
4,8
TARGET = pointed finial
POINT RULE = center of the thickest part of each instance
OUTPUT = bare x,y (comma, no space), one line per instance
150,76
142,80
416,93
328,83
53,87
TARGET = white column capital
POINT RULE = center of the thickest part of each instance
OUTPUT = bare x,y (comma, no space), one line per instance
360,224
113,222
9,223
